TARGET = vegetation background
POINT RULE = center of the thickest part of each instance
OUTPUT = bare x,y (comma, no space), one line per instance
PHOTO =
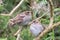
7,5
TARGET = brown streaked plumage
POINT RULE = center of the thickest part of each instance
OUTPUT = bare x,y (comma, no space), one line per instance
22,18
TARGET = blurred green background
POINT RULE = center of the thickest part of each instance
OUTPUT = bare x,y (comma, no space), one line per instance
7,5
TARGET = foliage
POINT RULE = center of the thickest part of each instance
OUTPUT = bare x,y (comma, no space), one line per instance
3,38
3,22
1,8
25,34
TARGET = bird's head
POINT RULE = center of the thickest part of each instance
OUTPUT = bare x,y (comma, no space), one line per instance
28,12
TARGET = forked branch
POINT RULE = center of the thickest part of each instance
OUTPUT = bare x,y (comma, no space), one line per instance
47,30
14,9
51,21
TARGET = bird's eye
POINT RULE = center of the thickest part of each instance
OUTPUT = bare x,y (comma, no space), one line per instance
27,12
34,21
46,4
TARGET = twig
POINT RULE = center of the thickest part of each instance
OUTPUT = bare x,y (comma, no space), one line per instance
33,2
18,31
48,29
18,37
18,34
52,12
37,18
51,21
14,9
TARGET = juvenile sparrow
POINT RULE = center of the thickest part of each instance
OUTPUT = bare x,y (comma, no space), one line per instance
21,19
36,28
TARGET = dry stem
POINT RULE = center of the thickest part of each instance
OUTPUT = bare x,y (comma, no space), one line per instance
51,21
14,9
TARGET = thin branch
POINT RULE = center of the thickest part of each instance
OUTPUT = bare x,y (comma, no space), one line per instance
51,20
37,18
51,12
48,29
18,31
18,37
14,9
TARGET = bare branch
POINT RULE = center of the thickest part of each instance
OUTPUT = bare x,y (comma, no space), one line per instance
37,18
51,20
18,37
48,29
51,12
14,9
18,31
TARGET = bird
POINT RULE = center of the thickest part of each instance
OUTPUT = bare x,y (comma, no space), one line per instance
21,19
36,28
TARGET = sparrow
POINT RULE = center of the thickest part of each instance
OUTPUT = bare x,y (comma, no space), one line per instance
36,28
21,19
